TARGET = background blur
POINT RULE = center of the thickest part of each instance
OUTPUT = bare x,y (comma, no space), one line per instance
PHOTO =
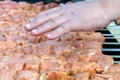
49,1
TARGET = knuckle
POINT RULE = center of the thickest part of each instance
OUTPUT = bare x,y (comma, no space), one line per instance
54,21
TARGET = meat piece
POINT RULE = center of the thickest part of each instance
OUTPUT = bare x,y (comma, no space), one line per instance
38,7
52,47
82,76
11,62
109,76
27,75
32,62
61,48
91,36
113,68
81,55
103,60
32,65
24,5
56,75
73,56
74,68
7,44
8,4
7,75
50,5
50,65
112,73
86,36
87,47
71,78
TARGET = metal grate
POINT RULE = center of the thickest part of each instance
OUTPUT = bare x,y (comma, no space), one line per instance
111,46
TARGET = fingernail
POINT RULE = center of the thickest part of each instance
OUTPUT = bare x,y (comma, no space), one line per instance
27,26
34,30
49,35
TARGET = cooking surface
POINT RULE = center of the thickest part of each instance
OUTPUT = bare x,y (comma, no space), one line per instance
111,46
115,30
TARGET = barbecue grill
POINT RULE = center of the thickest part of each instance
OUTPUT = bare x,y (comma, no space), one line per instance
111,46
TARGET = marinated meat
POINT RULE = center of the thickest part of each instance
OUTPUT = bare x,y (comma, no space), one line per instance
108,76
74,68
49,6
27,75
112,73
73,56
113,68
7,75
32,62
85,36
51,65
56,75
103,60
82,76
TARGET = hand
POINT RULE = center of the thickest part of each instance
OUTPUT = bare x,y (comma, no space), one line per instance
80,16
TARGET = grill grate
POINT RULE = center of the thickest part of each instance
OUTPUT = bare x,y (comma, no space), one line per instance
111,46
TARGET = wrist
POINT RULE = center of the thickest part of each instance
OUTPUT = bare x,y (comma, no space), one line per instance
111,8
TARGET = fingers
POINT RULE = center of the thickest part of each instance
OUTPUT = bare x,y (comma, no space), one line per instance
42,18
65,28
50,25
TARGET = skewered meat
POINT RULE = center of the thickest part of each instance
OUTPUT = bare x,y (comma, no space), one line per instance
109,76
73,56
27,75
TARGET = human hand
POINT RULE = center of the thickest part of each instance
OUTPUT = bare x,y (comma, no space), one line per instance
80,16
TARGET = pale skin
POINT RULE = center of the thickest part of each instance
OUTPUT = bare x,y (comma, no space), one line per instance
80,16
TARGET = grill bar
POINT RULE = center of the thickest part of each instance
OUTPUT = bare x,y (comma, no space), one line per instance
116,62
111,46
116,56
112,37
110,50
111,43
109,35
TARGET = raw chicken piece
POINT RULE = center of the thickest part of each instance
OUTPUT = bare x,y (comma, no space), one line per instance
82,76
25,5
7,75
11,62
74,68
32,62
85,36
56,75
52,47
50,5
38,7
71,78
102,60
8,4
109,76
51,65
27,75
7,44
73,56
113,68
